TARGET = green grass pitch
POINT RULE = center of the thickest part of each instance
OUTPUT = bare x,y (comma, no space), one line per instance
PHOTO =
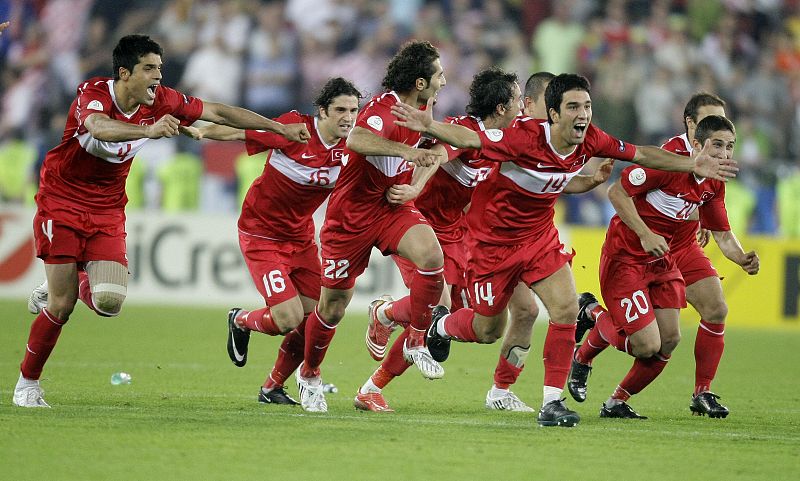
190,414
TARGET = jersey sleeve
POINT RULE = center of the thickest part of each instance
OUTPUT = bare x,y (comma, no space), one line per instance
499,145
257,141
185,108
378,119
602,144
637,180
454,152
713,214
93,98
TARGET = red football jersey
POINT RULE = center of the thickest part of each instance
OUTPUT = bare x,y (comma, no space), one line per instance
516,203
664,200
448,192
297,179
359,194
90,174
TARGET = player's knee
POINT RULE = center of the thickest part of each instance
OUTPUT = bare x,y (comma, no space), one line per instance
331,312
488,332
669,342
646,348
566,313
287,321
108,304
61,307
716,313
524,316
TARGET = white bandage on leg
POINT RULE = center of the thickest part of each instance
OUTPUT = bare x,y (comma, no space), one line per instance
109,284
518,354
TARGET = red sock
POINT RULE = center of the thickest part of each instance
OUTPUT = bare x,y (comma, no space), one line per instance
394,364
557,352
259,320
41,341
598,311
458,325
591,347
642,373
290,356
505,374
399,311
426,290
318,337
608,331
708,347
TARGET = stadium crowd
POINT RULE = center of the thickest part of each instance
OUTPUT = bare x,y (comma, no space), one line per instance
644,59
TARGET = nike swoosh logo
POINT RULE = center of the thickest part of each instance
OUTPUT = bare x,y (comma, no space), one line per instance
681,195
306,156
236,354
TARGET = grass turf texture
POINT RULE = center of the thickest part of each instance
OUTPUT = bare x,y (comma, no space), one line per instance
190,414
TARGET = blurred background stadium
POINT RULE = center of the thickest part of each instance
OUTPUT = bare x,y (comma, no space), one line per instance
645,58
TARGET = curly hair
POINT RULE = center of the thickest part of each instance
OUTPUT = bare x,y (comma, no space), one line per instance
414,60
490,88
333,88
554,93
130,49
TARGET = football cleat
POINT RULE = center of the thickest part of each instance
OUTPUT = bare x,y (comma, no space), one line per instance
421,357
586,302
621,411
31,396
507,401
706,403
238,339
438,346
312,394
38,299
555,413
276,395
578,377
372,401
378,334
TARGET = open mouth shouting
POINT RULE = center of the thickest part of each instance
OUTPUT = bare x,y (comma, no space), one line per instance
151,91
579,129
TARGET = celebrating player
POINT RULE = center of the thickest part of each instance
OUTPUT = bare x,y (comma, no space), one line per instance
378,155
276,227
79,226
512,236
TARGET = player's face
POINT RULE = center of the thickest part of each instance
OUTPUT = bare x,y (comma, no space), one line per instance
338,119
574,118
512,110
722,144
435,85
145,79
703,112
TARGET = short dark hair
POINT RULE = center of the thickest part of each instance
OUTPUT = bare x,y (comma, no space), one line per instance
554,93
700,99
414,60
490,88
711,124
130,49
333,88
536,84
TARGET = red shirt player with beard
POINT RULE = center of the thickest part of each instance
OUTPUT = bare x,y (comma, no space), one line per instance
276,227
379,154
79,226
512,236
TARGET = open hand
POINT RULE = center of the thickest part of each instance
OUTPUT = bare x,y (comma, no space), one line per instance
412,117
603,171
712,167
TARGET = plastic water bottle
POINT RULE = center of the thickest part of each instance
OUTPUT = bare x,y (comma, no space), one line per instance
329,388
120,378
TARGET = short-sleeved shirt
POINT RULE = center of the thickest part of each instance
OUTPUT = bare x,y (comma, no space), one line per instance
87,173
449,191
359,195
516,202
664,200
296,180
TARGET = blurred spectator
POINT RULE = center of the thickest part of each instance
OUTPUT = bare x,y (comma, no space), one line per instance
557,39
213,73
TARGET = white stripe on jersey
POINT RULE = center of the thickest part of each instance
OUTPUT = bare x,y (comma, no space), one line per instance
390,166
302,174
670,205
535,181
114,152
465,175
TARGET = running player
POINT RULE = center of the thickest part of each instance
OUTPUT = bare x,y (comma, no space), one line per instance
79,227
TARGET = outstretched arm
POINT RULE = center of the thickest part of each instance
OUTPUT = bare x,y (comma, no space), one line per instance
221,132
585,183
730,246
422,121
703,165
365,142
652,243
402,193
245,119
104,128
